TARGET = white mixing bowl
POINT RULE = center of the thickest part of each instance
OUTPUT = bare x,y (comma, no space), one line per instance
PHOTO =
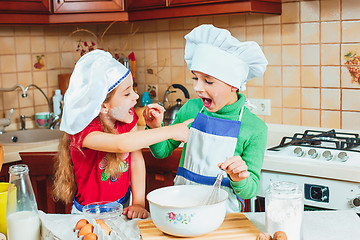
179,210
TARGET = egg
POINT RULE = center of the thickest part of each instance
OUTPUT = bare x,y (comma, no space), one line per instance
88,228
264,236
104,226
80,224
90,236
280,235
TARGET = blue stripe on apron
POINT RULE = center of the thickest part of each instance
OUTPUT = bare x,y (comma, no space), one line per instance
223,127
122,200
206,180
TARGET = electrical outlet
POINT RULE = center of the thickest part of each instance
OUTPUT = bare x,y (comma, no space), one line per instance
259,106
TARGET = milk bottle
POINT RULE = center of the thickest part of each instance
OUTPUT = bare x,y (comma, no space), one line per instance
22,215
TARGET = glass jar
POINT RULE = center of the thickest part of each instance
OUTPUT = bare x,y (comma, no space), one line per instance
23,221
284,207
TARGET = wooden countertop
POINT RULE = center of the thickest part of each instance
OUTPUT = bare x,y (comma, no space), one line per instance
235,226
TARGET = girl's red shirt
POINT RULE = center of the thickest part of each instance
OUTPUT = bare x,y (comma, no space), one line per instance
93,184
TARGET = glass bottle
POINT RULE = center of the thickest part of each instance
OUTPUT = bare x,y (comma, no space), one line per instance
145,100
23,221
284,207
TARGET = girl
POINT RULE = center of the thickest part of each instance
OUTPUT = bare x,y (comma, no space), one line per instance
99,157
224,134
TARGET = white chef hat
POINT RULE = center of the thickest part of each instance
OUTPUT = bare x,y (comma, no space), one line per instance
215,52
95,75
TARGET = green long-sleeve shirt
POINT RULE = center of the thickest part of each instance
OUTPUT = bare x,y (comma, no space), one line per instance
250,145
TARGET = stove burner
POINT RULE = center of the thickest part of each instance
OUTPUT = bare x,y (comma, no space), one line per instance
313,138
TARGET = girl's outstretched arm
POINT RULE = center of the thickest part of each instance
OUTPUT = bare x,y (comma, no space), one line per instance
138,182
136,140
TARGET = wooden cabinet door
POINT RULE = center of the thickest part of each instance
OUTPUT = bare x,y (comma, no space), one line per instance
19,6
192,2
144,4
160,172
79,6
41,171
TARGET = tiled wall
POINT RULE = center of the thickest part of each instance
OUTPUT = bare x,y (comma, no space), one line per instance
306,79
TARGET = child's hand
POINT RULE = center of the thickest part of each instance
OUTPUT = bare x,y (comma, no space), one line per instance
153,115
181,131
236,168
135,211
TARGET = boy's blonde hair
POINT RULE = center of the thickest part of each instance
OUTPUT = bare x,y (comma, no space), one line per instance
64,179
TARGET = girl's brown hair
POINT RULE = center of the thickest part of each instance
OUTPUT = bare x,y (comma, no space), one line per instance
64,179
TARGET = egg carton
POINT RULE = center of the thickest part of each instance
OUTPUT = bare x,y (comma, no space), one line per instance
121,229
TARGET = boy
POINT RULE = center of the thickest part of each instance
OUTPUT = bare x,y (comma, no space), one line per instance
225,134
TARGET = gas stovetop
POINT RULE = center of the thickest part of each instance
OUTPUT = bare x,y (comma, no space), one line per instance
321,145
322,139
328,154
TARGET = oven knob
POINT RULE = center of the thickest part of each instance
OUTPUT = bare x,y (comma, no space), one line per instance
313,153
298,152
355,202
343,156
327,155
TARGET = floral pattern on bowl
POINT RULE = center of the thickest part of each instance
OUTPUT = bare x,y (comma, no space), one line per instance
179,218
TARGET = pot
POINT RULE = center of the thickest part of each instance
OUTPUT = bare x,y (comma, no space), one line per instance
171,111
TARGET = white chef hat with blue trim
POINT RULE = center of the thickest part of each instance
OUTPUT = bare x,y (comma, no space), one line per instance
215,52
95,75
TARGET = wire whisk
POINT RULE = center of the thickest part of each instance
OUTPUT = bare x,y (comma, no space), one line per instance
214,196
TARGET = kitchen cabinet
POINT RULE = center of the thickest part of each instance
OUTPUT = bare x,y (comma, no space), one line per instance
4,174
41,171
49,12
144,4
41,176
38,6
81,6
190,8
160,173
191,2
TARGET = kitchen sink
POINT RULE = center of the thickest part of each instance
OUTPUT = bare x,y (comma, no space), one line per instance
29,136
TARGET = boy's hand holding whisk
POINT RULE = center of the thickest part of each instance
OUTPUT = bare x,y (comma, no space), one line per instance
236,168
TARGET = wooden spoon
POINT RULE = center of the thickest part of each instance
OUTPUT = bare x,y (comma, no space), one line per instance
1,156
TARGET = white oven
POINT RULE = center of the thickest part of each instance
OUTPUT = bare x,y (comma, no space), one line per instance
324,162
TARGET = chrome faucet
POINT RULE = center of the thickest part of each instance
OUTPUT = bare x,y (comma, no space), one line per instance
4,122
14,88
23,121
51,119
